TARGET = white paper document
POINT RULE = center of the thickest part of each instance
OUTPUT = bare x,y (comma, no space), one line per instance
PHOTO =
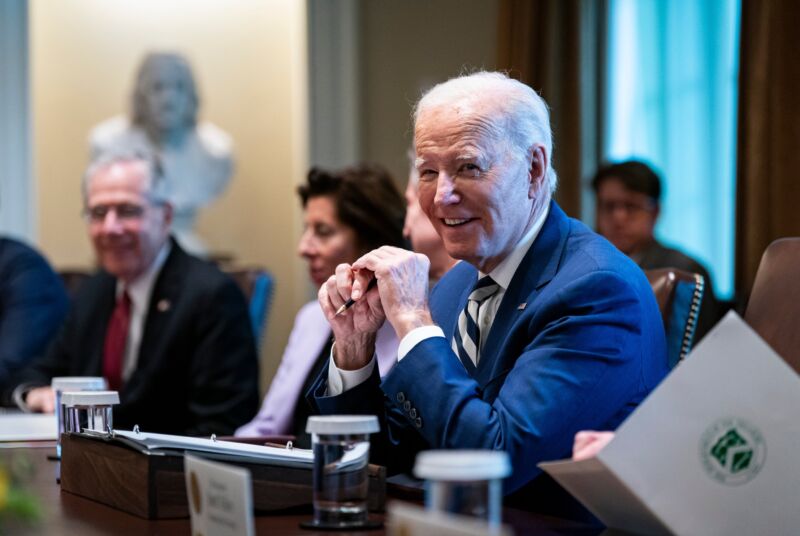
275,455
27,427
713,450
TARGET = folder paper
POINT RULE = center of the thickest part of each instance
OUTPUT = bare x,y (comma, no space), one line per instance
713,450
27,427
257,453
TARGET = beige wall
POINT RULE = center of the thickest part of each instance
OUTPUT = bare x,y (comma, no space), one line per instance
249,57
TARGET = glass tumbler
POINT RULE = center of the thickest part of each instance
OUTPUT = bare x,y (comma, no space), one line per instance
60,384
465,482
340,478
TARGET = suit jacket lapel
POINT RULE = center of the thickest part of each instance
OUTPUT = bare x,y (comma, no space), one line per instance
165,295
536,270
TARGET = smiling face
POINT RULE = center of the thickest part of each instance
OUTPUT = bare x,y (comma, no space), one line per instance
326,242
477,194
126,228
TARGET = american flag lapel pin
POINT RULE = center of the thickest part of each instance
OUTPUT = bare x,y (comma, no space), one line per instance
163,305
521,306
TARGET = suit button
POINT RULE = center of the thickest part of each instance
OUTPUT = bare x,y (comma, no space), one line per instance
401,397
406,405
418,422
412,413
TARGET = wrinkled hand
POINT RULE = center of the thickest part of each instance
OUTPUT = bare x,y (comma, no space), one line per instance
354,329
588,443
402,285
41,400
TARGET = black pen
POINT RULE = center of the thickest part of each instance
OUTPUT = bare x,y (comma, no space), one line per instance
349,303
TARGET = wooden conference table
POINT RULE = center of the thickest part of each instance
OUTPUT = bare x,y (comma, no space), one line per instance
68,514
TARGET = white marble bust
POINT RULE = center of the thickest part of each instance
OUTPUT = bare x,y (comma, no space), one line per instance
196,158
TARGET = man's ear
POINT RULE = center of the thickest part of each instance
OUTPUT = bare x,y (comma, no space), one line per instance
537,170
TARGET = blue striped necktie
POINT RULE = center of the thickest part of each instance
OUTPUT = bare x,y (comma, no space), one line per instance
467,338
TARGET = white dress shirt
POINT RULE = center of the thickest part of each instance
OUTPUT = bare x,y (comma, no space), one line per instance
340,380
139,290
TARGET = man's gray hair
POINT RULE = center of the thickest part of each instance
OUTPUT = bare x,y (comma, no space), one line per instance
140,112
157,187
516,114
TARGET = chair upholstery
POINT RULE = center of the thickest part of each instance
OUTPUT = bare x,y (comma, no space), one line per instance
679,295
257,285
774,307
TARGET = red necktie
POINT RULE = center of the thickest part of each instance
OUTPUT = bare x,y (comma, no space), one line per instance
116,337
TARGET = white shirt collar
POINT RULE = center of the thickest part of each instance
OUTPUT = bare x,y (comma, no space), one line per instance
140,288
504,272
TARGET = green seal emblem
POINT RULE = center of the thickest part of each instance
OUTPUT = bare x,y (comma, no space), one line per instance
732,451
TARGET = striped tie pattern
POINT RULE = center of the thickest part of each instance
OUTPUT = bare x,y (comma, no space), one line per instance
467,340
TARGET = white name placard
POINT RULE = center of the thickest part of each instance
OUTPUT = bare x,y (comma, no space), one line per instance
220,498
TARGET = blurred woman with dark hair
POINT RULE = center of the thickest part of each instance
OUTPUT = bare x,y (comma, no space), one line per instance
347,214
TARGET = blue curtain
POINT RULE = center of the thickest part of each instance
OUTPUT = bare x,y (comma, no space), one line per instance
672,80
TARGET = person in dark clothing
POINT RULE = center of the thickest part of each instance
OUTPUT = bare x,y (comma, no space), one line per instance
628,196
169,331
33,303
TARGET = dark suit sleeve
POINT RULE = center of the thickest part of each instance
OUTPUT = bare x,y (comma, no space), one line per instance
223,391
32,307
580,357
55,361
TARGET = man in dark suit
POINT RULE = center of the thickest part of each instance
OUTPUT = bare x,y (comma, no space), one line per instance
33,303
169,331
545,329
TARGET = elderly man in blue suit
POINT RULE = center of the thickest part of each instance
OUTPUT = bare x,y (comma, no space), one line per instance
545,329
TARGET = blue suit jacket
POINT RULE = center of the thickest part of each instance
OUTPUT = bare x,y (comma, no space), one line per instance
577,343
33,303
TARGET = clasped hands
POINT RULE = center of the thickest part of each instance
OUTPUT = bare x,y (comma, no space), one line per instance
400,296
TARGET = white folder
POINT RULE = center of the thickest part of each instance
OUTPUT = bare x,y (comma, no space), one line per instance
713,450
